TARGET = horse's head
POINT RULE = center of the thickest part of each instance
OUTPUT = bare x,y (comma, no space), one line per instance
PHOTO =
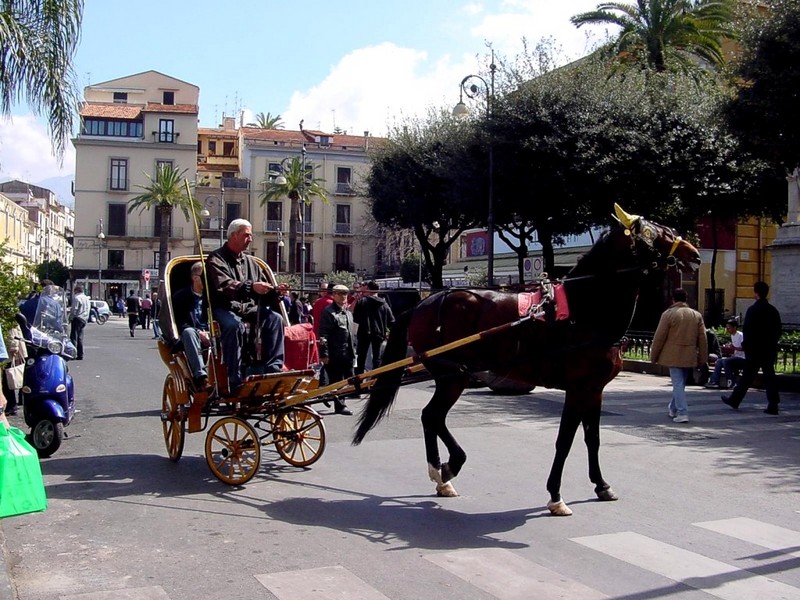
658,244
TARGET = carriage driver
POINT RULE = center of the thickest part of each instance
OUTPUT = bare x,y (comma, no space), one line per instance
240,291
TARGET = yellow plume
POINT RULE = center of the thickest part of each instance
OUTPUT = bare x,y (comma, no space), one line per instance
626,219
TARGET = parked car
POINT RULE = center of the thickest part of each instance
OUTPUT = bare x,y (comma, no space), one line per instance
99,311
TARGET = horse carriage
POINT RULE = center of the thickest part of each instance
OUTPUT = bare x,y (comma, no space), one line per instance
269,410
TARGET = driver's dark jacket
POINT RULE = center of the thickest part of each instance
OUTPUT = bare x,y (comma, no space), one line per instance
230,281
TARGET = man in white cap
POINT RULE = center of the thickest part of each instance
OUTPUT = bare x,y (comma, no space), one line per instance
337,344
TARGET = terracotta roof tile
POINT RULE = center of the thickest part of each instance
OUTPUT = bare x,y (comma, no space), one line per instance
111,110
217,132
299,137
190,109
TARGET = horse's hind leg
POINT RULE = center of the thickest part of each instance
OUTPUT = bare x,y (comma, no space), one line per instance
591,436
434,427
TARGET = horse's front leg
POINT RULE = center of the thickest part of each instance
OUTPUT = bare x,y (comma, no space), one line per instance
570,420
434,427
591,436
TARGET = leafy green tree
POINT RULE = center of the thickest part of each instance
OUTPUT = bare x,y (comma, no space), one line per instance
166,192
410,268
54,270
430,177
12,289
38,39
342,278
665,35
764,109
267,121
300,188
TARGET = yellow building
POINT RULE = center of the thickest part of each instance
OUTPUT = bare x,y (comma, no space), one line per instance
14,232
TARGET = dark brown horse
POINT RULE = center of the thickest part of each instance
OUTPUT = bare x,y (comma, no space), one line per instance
579,355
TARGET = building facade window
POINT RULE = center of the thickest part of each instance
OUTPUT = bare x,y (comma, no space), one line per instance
227,148
233,210
157,224
117,219
344,180
121,97
116,259
164,162
343,219
119,174
274,216
166,131
212,147
169,98
111,128
342,257
273,170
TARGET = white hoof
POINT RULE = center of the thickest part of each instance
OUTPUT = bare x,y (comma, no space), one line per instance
446,490
558,509
434,475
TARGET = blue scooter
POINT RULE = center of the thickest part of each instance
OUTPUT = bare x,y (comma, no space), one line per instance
48,395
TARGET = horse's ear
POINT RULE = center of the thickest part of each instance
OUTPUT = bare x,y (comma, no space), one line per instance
624,218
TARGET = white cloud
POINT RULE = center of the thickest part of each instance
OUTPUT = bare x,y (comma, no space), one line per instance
371,88
26,152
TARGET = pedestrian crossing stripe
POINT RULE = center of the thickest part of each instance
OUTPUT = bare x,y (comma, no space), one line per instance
757,533
689,568
324,583
507,576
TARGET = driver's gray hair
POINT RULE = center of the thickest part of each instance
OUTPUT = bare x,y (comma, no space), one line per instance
236,225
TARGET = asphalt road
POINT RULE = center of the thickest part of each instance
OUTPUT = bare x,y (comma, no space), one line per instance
706,510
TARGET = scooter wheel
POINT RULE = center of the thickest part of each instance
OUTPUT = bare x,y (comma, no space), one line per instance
46,436
102,319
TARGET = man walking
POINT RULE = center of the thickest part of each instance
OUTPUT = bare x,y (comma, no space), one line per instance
133,305
156,315
374,318
680,343
78,316
762,330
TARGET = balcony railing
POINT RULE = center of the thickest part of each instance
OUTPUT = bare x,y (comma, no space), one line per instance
307,225
345,189
149,231
270,225
235,183
343,228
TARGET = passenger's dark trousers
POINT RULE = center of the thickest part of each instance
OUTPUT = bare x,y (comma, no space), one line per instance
363,346
751,367
232,338
76,334
145,318
338,370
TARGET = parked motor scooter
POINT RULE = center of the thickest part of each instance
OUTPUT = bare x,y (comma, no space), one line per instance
48,395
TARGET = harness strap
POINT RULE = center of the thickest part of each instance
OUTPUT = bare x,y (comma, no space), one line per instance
675,245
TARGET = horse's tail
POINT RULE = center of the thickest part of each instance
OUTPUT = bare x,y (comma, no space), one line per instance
384,391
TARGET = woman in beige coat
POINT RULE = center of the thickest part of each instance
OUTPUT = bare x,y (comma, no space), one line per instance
680,343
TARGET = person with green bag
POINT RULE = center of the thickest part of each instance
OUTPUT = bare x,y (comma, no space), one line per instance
21,483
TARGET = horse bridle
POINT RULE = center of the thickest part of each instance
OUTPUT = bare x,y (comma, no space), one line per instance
644,231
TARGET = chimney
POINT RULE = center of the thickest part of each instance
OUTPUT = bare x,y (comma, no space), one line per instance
229,123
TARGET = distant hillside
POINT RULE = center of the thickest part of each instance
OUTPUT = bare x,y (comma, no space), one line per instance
61,187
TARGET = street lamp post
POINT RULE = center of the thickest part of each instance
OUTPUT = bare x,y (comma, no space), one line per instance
460,110
280,248
100,237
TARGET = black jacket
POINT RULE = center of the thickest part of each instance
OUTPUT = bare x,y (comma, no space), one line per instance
183,303
336,334
762,329
230,280
373,316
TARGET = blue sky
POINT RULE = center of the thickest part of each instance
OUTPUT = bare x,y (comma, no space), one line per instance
359,65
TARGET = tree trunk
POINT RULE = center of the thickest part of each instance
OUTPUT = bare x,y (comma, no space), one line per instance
163,242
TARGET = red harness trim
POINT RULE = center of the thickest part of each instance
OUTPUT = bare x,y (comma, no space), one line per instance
526,300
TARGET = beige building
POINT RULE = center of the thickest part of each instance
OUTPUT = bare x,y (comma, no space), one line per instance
14,233
51,225
129,126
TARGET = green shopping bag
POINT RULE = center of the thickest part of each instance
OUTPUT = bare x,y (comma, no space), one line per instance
21,483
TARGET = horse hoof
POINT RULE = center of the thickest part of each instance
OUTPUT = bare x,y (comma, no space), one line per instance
558,509
446,490
434,475
607,495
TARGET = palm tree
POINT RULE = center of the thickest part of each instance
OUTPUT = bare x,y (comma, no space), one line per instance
666,35
165,193
267,121
38,39
298,191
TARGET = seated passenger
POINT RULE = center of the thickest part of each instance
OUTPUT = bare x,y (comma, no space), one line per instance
191,318
733,363
241,292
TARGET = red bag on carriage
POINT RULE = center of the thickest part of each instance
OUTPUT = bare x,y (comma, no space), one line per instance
300,346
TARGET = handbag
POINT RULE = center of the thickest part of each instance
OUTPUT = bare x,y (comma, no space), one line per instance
21,483
14,373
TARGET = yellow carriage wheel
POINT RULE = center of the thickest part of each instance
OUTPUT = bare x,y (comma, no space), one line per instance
299,436
173,419
233,450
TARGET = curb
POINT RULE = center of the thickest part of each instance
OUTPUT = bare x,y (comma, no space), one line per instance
786,383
